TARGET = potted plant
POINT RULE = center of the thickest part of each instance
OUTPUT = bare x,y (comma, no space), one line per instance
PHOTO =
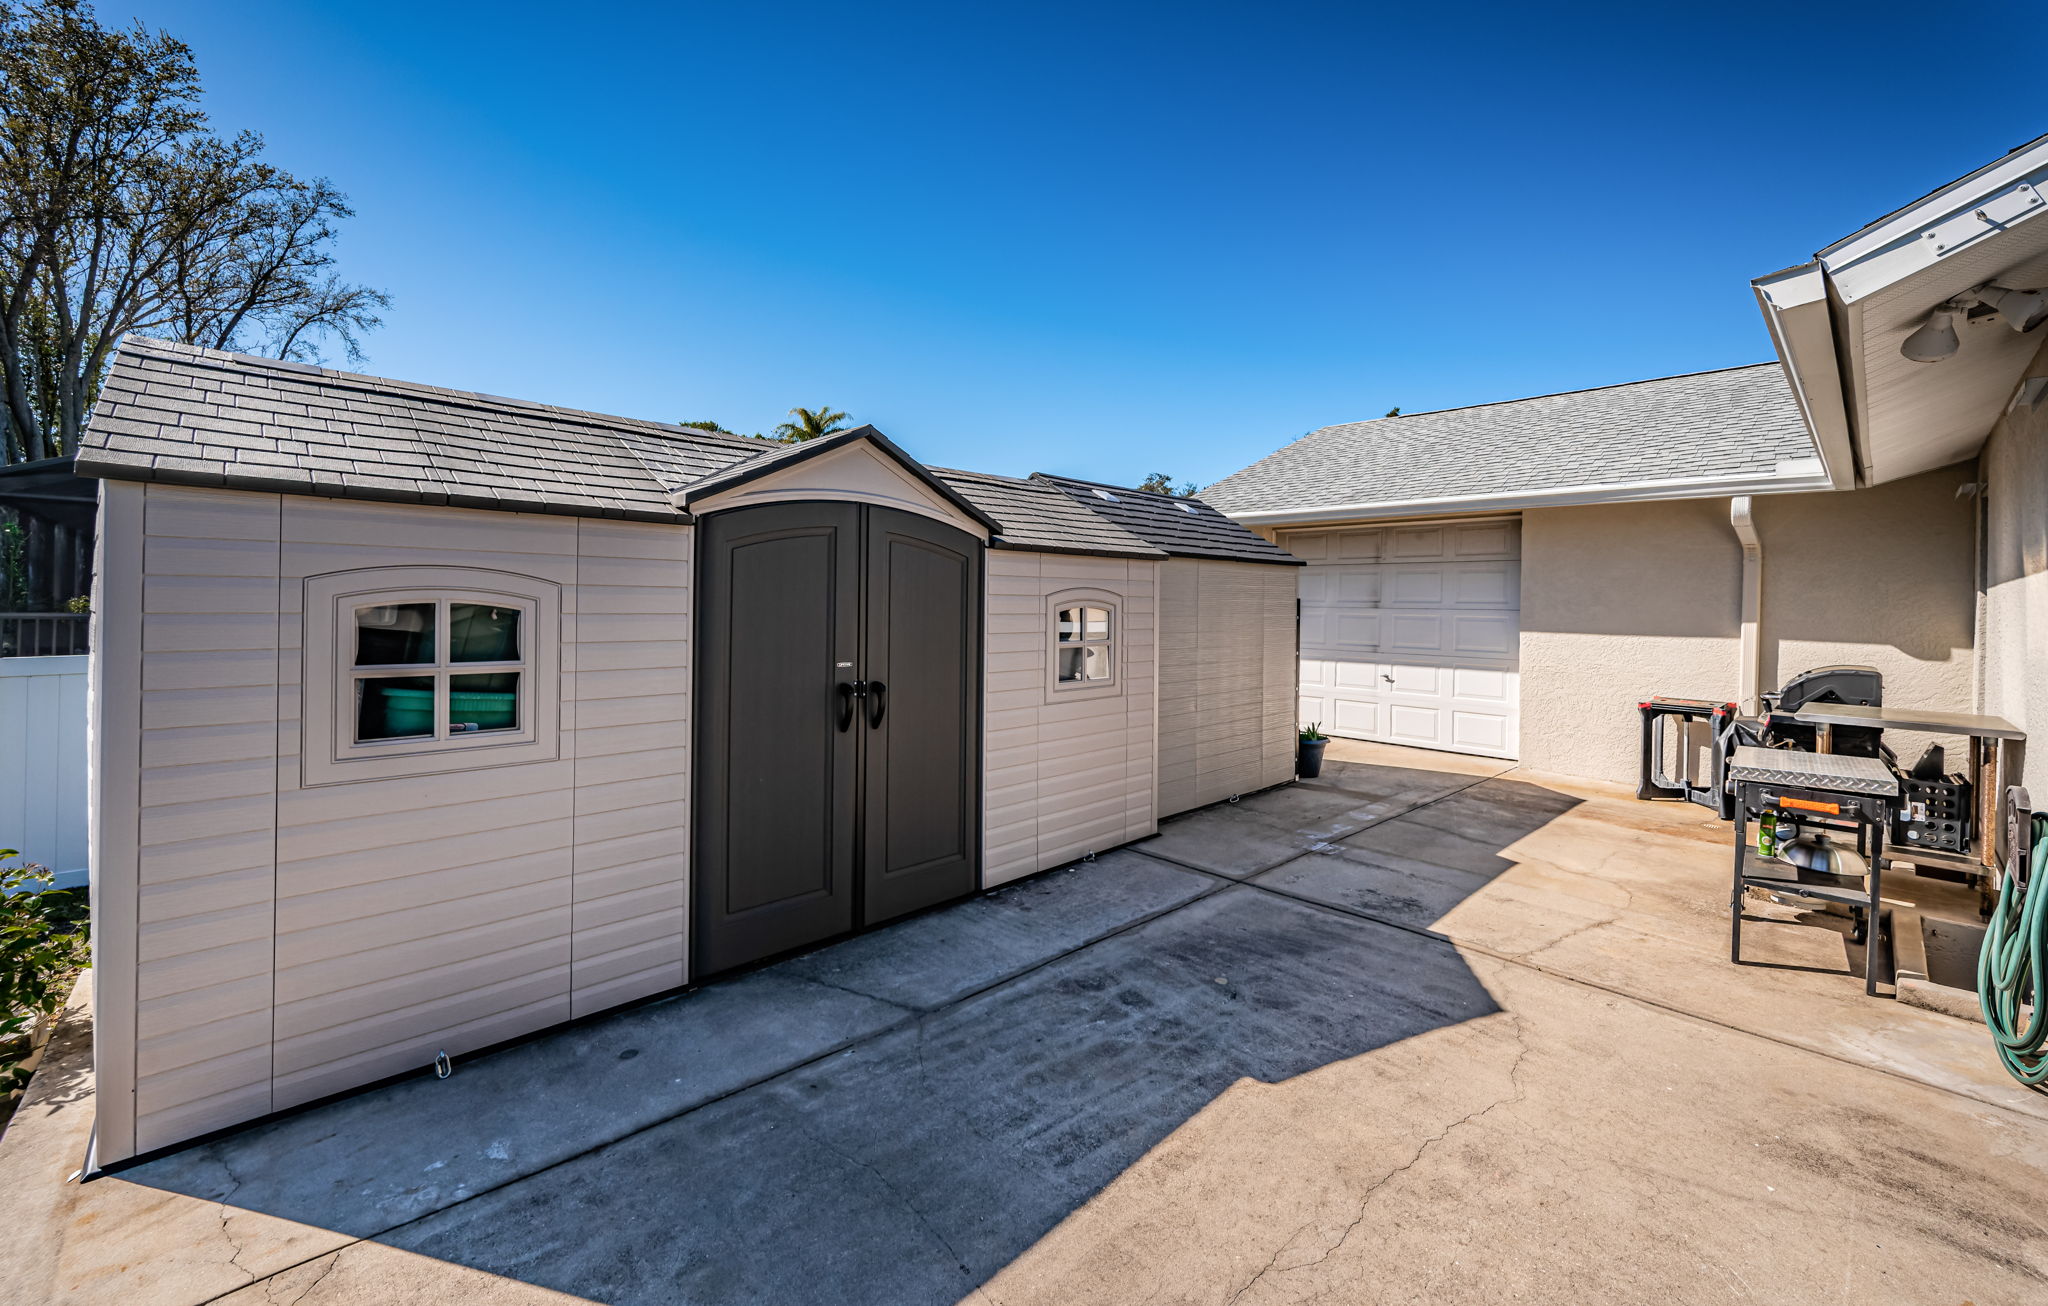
1308,758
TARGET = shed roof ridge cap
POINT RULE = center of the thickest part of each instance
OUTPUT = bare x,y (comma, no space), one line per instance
228,360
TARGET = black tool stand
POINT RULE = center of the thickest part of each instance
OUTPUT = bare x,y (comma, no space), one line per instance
1827,791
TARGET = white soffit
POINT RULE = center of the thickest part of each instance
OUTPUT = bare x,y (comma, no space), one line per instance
1882,281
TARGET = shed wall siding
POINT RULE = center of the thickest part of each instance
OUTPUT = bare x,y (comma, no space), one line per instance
1069,776
295,941
1227,666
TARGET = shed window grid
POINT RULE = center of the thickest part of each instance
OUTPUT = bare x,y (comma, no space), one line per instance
427,669
1084,644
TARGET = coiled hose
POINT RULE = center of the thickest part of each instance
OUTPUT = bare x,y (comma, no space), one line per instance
2012,968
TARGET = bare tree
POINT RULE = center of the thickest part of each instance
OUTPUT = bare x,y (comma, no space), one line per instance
120,212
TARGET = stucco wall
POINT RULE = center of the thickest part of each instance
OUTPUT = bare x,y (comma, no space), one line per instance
1227,672
1624,601
1621,602
2014,467
1067,772
266,941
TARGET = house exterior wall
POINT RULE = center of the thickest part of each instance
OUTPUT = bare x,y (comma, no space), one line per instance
2014,470
1066,773
1227,671
289,941
1624,601
1621,602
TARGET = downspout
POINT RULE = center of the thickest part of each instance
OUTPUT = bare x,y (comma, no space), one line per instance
1751,670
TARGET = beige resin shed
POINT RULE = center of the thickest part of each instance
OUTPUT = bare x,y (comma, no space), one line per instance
423,720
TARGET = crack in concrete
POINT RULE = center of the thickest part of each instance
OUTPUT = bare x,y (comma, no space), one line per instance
227,1213
1517,1093
307,1291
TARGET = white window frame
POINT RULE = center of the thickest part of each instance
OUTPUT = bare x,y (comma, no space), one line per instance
330,753
1084,598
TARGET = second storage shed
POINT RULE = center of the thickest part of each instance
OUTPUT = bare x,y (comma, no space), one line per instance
425,719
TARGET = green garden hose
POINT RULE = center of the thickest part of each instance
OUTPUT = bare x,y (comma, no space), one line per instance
2012,968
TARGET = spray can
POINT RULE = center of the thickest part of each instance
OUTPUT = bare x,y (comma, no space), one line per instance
1767,835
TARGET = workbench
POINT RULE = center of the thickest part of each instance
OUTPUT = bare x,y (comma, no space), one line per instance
1828,791
1986,773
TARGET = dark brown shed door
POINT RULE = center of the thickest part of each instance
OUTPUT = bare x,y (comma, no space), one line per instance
838,743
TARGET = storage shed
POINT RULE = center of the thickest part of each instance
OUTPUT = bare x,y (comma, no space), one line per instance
425,719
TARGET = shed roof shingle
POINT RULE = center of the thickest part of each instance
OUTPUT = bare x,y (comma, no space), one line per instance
1180,526
1737,422
186,415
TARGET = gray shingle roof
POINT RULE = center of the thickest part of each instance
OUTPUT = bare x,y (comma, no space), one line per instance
194,416
1183,527
1738,422
184,415
1039,517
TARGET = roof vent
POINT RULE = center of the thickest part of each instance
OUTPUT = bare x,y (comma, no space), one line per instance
1105,494
1189,509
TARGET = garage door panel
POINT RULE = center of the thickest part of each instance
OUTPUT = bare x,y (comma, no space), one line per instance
1415,723
1486,584
1416,542
1354,675
1486,540
1481,685
1356,584
1421,587
1353,717
1410,633
1355,632
1479,732
1414,631
1492,635
1359,546
1429,681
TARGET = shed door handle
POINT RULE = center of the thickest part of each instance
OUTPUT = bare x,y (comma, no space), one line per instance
848,691
877,702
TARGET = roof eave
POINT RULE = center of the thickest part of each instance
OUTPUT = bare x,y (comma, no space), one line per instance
1815,312
1796,310
1564,497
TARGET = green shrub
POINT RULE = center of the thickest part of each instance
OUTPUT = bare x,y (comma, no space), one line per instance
43,944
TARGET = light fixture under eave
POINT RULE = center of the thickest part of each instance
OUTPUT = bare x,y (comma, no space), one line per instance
2023,310
1935,339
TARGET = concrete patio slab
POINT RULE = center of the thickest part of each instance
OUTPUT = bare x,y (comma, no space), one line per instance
941,957
962,1141
1575,1148
372,1161
1225,840
1487,1047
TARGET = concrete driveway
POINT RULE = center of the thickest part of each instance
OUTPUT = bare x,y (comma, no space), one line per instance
1421,1031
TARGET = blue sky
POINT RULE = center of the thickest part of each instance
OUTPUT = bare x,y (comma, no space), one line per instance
1095,239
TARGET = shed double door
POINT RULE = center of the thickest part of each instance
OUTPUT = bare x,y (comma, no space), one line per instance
838,751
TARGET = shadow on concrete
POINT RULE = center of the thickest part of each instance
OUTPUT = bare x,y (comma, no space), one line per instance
894,1119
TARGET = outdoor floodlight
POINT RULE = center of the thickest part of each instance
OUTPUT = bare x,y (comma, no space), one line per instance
2023,310
1936,338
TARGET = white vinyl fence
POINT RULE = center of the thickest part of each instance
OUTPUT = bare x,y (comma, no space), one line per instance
42,762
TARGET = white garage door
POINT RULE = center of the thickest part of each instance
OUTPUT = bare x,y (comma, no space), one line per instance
1410,633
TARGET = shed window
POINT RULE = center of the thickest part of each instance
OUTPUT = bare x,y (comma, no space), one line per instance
1084,643
433,669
